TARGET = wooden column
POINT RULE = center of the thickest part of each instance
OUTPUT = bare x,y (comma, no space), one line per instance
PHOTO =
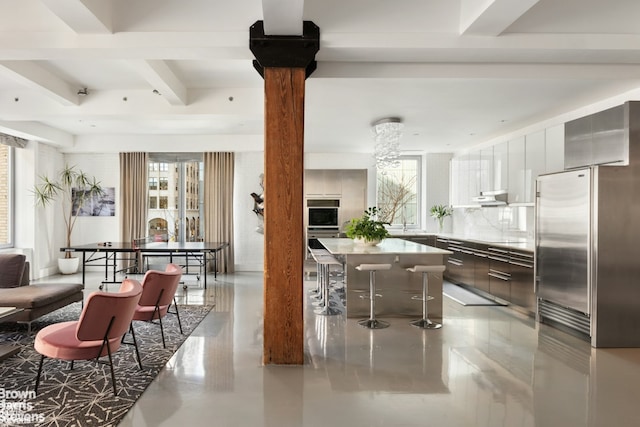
283,218
284,62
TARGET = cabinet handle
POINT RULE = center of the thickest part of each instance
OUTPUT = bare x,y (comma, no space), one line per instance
481,255
502,251
506,260
455,243
498,276
454,262
522,255
521,264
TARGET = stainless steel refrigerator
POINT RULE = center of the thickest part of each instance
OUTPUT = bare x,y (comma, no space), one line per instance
564,248
588,253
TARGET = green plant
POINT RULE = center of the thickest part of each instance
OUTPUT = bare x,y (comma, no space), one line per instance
440,212
367,227
62,187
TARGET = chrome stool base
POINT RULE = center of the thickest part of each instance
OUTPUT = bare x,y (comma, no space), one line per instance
328,311
426,324
373,324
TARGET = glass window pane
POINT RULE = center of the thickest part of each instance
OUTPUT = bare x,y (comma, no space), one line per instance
164,203
398,193
179,204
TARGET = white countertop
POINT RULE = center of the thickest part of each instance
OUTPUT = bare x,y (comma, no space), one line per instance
345,246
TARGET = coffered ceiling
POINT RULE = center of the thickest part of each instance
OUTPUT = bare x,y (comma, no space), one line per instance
458,72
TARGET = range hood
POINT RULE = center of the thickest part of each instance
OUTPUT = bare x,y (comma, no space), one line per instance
491,198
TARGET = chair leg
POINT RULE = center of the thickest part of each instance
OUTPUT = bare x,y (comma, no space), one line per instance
135,345
178,315
113,375
71,365
39,372
164,344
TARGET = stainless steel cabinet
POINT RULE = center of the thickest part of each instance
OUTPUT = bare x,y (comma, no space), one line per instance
455,262
499,273
522,280
481,268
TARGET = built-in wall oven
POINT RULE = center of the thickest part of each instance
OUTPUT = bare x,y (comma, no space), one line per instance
323,216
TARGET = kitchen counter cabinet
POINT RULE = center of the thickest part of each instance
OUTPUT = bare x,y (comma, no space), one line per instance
522,280
396,285
481,268
499,273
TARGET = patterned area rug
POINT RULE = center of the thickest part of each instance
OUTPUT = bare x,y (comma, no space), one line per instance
84,396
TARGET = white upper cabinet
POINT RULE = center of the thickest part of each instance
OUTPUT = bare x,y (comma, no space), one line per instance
501,166
516,170
474,174
461,192
534,163
554,149
486,170
512,165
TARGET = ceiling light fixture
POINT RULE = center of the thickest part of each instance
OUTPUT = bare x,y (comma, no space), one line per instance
83,92
387,134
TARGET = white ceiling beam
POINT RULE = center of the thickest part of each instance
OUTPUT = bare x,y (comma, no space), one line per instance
383,70
282,17
37,78
34,131
491,17
83,16
162,79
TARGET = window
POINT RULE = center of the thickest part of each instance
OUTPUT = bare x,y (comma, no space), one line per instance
164,183
153,183
179,179
153,203
398,193
6,196
164,202
153,166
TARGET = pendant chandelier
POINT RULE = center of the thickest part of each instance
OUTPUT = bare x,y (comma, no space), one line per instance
387,134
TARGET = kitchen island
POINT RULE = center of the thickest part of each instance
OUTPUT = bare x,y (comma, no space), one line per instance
396,285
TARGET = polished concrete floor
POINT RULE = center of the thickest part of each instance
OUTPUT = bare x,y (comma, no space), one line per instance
488,366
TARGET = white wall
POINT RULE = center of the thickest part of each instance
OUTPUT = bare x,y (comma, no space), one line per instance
249,244
436,189
106,169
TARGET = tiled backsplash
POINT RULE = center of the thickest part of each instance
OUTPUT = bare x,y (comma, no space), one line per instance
501,223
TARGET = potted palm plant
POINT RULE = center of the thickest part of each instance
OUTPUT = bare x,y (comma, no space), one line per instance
367,229
72,187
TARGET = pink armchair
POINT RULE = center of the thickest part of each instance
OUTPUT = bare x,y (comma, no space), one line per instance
158,293
105,319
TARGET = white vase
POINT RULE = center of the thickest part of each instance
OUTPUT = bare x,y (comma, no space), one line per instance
361,241
68,265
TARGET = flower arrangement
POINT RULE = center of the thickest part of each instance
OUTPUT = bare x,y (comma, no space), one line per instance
439,213
367,228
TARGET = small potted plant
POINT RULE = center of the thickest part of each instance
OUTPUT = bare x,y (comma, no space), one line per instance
367,229
73,187
439,213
